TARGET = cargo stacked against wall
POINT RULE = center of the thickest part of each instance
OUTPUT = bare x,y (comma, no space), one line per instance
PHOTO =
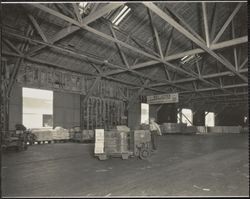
43,77
106,108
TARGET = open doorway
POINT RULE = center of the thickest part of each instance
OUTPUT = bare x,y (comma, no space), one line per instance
37,108
209,119
144,113
185,116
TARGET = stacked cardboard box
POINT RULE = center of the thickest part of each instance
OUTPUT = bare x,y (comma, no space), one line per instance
124,133
60,133
43,134
99,141
116,141
71,133
123,141
111,142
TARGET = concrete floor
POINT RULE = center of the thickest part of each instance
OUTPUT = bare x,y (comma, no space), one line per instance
185,165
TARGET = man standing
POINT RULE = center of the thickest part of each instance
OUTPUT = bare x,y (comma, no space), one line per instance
155,131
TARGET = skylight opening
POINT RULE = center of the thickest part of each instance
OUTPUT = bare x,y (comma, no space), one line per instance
120,16
82,7
83,4
189,59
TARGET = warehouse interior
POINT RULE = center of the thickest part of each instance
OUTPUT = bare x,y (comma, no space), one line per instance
80,75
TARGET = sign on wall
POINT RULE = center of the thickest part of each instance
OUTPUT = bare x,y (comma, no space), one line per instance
163,99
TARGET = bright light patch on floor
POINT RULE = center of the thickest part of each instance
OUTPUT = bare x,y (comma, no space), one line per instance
37,108
144,113
209,119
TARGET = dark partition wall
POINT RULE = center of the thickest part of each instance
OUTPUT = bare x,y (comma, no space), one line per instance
167,114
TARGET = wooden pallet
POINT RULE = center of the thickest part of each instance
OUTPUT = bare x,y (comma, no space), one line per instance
43,142
105,156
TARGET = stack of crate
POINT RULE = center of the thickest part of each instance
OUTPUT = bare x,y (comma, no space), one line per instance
99,141
116,141
123,141
42,134
76,133
124,133
60,133
71,133
111,142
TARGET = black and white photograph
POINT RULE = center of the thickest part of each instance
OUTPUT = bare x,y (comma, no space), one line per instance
124,99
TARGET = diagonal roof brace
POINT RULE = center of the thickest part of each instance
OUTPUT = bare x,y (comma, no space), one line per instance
187,34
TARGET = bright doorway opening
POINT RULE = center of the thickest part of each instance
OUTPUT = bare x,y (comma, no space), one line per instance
185,116
209,119
37,108
144,113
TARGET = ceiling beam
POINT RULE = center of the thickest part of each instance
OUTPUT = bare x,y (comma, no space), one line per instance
187,34
205,21
214,75
217,95
159,84
230,18
107,37
215,88
38,28
123,57
79,55
234,49
155,34
185,24
169,43
214,21
91,59
243,63
53,65
77,12
218,46
71,29
101,12
137,94
11,46
92,30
